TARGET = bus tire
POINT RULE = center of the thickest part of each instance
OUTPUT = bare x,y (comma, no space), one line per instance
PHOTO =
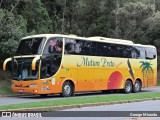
137,86
128,87
67,89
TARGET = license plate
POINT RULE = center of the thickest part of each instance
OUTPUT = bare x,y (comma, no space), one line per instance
20,90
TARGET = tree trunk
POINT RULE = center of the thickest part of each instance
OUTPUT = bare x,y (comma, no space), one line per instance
63,21
117,19
153,3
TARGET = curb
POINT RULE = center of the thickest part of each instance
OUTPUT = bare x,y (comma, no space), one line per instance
55,108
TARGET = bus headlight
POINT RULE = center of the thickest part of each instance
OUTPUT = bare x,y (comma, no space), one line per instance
33,85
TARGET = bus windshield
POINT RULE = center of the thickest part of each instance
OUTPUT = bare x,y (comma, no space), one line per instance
22,69
30,46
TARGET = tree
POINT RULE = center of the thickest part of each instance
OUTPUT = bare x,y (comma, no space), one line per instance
38,20
132,18
154,6
136,20
12,28
153,30
117,18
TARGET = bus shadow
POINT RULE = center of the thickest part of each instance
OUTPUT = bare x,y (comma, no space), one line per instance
82,94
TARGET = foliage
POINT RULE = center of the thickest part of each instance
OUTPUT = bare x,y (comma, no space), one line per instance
5,84
158,59
132,18
136,20
37,17
153,30
12,28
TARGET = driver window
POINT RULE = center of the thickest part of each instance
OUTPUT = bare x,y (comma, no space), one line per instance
51,58
53,46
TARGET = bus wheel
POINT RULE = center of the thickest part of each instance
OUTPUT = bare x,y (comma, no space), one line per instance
43,95
137,87
128,87
67,89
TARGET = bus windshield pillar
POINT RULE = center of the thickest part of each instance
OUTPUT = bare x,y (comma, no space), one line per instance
34,62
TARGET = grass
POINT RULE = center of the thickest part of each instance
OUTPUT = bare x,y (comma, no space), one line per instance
158,83
5,88
78,101
5,84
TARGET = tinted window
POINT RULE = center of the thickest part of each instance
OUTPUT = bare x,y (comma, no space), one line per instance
113,50
150,53
30,46
79,47
53,46
103,49
140,52
22,69
82,47
51,58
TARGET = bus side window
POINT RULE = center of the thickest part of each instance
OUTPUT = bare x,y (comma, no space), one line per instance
100,49
134,54
79,47
55,46
142,53
69,46
87,48
150,53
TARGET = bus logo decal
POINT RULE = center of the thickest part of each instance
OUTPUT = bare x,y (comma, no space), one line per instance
89,62
106,63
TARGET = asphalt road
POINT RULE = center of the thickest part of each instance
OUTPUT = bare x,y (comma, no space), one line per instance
133,110
36,98
118,111
129,111
152,105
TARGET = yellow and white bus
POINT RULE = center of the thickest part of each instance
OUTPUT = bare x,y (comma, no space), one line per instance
54,63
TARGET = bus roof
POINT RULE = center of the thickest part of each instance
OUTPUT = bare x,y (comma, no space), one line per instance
96,38
111,39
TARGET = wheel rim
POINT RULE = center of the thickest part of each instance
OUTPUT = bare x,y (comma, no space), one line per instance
137,86
67,89
128,87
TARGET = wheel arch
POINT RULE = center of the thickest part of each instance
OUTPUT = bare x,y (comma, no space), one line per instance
69,80
65,91
137,87
138,79
129,79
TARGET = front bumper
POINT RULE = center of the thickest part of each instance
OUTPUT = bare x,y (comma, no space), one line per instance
25,90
